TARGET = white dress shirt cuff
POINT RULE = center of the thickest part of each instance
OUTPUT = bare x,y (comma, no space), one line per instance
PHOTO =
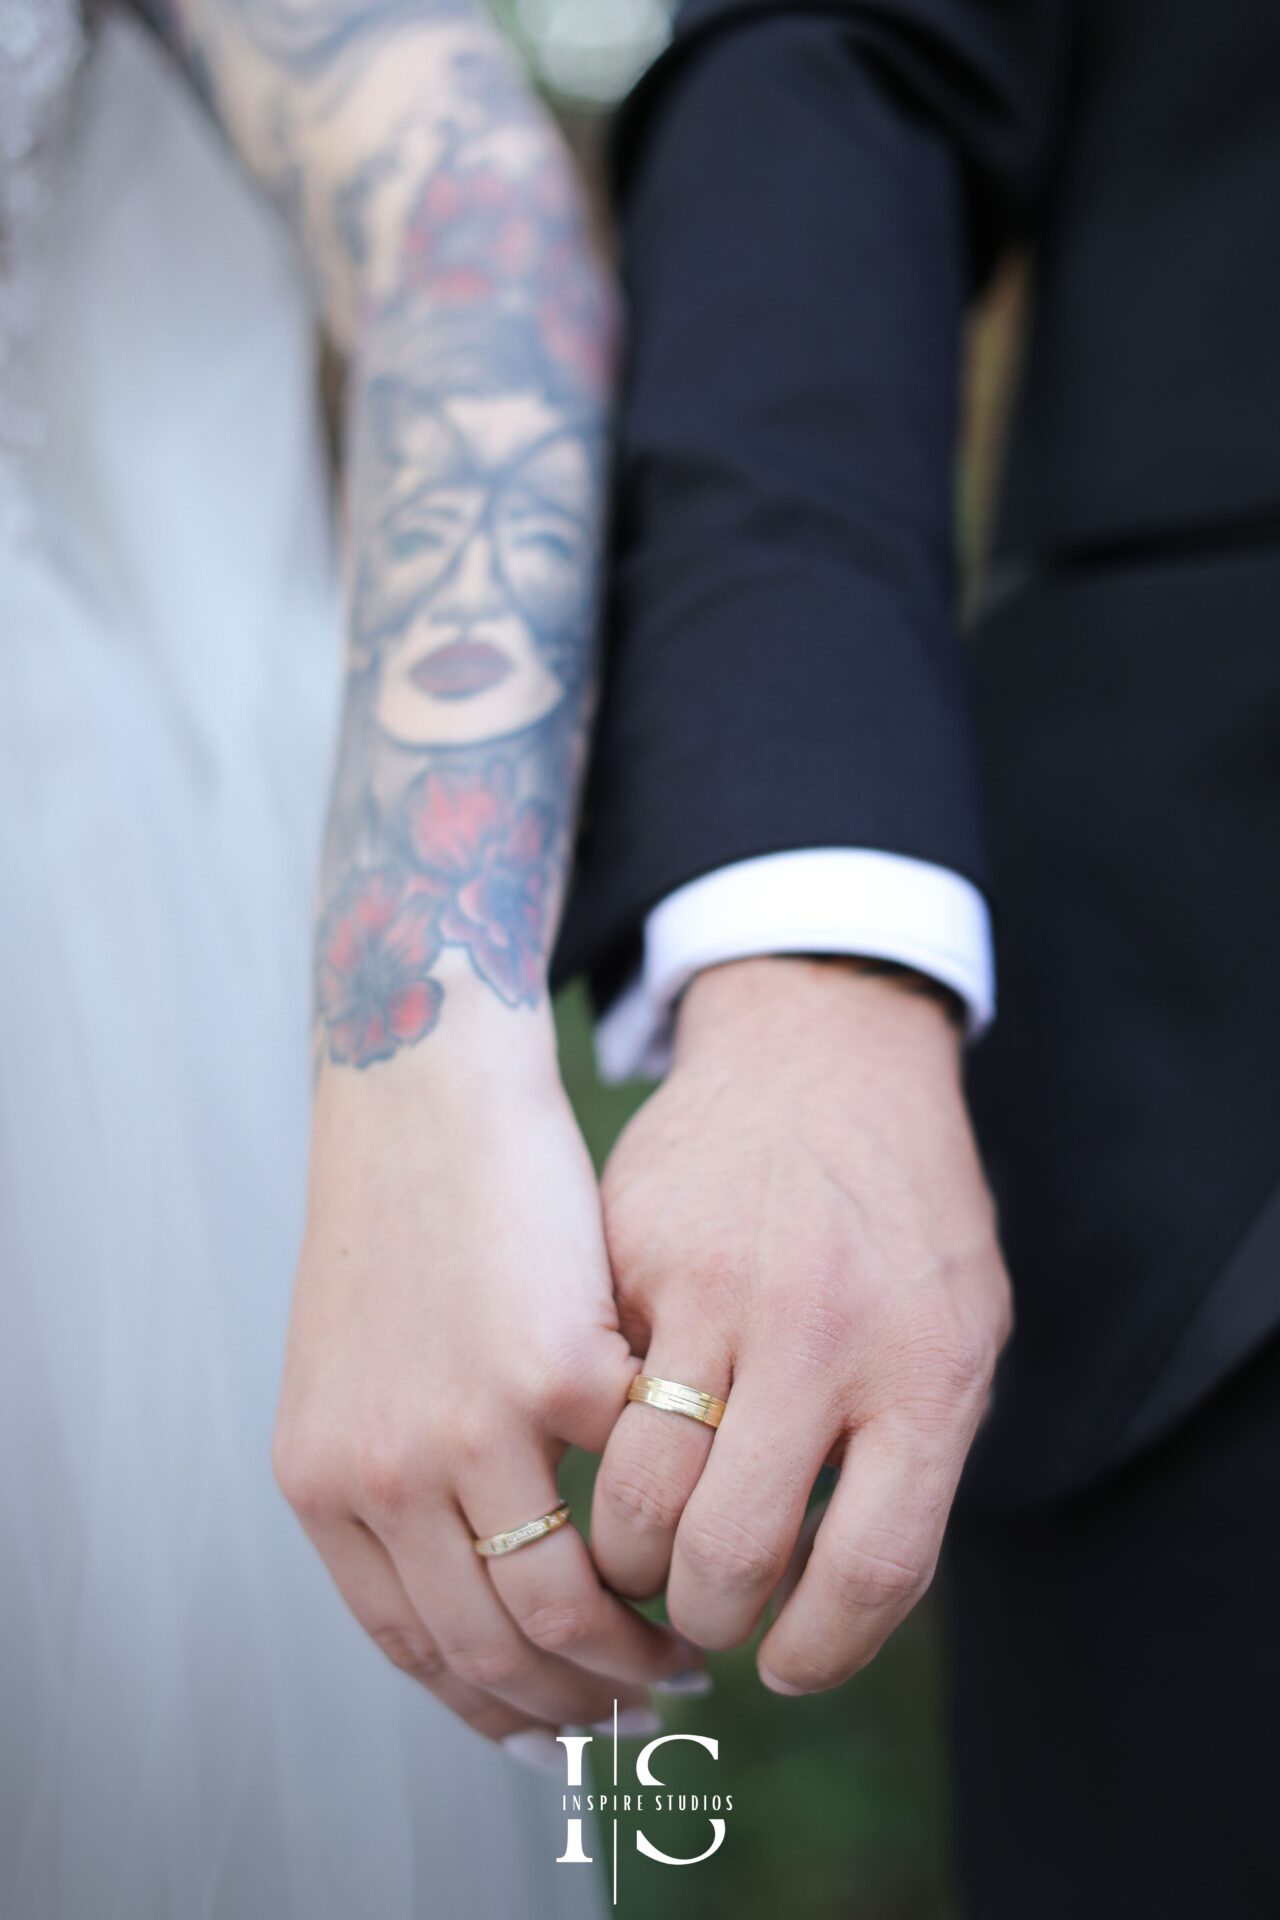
852,900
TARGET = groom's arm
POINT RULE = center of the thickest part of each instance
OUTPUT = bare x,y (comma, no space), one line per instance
809,196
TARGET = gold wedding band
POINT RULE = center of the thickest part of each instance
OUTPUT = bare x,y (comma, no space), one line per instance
495,1543
671,1397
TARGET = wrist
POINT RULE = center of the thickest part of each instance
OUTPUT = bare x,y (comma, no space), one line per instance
907,979
847,1001
473,1039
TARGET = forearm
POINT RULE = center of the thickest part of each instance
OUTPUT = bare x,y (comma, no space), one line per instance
442,225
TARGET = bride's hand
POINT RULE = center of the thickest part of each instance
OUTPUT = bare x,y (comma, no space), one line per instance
454,1322
453,1329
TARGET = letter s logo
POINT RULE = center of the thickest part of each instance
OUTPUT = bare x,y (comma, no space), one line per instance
650,1779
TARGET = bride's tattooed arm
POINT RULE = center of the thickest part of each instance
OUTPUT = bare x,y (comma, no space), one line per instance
453,1325
442,224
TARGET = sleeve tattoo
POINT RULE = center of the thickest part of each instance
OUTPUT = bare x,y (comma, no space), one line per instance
443,225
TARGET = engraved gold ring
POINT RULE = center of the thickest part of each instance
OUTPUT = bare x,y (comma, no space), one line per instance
671,1397
493,1544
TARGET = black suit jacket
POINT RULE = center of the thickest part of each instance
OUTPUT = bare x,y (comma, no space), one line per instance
809,196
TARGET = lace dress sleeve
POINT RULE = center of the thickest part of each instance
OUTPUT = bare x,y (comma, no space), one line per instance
42,44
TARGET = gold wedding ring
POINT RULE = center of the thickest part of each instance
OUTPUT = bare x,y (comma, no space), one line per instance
524,1536
671,1397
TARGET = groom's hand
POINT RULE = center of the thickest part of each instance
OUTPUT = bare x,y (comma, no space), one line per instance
797,1221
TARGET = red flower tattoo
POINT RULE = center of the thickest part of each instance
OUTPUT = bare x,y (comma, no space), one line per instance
468,232
378,943
488,857
476,234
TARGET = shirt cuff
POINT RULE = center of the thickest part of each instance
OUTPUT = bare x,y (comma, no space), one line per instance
853,900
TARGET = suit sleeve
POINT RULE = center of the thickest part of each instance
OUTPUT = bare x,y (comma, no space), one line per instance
807,197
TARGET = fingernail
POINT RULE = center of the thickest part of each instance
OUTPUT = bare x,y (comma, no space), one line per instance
533,1748
692,1683
632,1721
775,1685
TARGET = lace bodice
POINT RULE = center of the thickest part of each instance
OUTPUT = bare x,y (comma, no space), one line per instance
42,43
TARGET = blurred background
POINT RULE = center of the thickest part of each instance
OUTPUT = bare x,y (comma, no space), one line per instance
584,54
840,1804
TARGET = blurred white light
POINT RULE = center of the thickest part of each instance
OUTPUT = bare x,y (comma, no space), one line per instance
593,49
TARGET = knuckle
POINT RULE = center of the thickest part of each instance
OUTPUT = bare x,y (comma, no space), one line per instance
1004,1314
469,1444
970,1350
723,1553
946,1363
414,1653
886,1571
723,1273
558,1626
555,1386
493,1667
816,1335
633,1493
959,1364
557,1394
303,1477
386,1480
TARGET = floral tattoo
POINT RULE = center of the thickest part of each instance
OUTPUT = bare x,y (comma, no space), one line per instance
456,271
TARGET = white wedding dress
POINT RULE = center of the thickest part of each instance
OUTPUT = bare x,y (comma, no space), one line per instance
191,1727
